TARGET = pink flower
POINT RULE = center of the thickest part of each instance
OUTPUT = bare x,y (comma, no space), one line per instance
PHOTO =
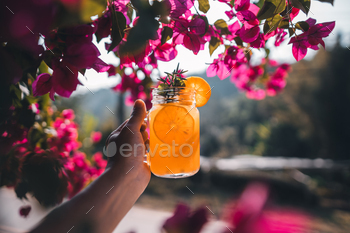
96,136
63,81
257,94
233,28
68,114
280,36
189,33
310,38
230,14
100,66
241,5
81,55
177,8
42,84
185,222
219,68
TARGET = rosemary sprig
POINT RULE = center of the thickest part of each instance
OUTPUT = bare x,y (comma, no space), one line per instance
173,79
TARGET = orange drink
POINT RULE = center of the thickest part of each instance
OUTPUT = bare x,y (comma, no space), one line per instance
174,149
174,133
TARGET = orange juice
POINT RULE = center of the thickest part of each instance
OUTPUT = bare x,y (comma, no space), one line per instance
174,133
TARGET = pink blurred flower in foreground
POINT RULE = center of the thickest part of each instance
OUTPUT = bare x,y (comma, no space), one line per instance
251,216
185,222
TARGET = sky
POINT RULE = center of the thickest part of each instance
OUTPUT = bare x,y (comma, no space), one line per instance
323,12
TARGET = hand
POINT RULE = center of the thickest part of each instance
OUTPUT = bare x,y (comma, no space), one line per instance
126,146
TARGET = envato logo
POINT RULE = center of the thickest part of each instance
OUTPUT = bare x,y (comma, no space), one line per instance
163,150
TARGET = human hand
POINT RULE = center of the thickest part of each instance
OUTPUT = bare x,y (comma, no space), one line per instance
126,146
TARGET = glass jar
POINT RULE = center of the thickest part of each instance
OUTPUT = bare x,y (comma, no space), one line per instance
174,133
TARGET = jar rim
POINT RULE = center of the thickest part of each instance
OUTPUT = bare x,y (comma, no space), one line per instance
171,88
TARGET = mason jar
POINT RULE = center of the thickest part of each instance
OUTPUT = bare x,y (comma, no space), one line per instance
174,148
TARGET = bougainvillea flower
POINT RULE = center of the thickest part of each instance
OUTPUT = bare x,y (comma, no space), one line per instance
81,34
81,55
280,36
241,5
259,42
68,114
42,84
165,52
189,33
183,221
234,55
100,66
247,17
230,14
233,28
219,68
310,38
103,24
257,94
251,215
177,8
277,81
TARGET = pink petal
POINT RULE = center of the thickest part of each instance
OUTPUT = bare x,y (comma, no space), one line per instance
249,35
222,71
100,66
64,79
321,29
311,21
211,71
197,26
165,52
192,43
294,13
230,14
259,42
299,50
241,5
254,8
81,55
247,17
42,84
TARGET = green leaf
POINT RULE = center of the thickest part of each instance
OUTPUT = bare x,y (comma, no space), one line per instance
167,34
291,32
303,5
271,8
213,44
302,25
204,5
90,8
284,24
271,24
221,25
260,3
118,27
238,41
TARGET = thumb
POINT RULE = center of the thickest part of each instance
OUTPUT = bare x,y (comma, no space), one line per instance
137,116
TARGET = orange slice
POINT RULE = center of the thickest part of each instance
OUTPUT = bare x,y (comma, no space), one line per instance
202,88
173,123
